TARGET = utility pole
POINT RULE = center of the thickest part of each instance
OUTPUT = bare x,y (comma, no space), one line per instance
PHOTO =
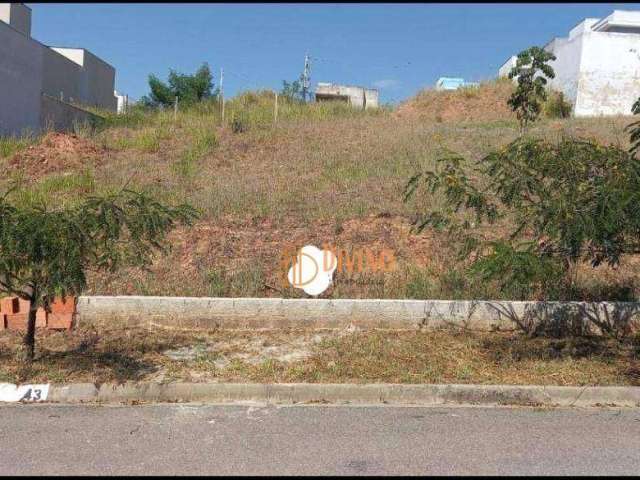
306,74
221,95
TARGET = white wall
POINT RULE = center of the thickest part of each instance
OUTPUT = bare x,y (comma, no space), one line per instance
568,52
29,69
609,74
61,77
598,71
95,79
506,67
20,82
123,102
358,97
76,55
99,80
371,98
18,16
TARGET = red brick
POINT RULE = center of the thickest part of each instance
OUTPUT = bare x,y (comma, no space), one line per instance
9,305
17,321
60,321
41,315
63,305
23,305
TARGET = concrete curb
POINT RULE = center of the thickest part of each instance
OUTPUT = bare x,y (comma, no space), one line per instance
394,394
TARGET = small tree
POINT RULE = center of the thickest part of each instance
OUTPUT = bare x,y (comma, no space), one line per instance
189,89
292,90
530,70
46,252
529,212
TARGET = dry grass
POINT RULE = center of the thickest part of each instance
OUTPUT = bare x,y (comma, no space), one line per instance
445,356
323,173
486,102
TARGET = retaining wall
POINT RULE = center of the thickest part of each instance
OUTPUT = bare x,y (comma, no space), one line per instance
61,116
251,313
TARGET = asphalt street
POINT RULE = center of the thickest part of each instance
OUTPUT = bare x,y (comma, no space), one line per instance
260,439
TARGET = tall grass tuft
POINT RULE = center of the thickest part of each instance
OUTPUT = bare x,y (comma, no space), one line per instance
9,146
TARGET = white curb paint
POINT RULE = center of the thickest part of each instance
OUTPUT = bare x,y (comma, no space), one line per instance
23,393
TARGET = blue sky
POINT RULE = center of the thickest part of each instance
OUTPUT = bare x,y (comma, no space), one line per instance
397,48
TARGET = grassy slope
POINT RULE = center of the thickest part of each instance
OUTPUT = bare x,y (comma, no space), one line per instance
322,174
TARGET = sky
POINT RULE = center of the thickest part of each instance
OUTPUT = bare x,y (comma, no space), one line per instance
397,48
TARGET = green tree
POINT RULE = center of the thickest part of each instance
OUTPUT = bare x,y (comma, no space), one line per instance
292,90
528,213
531,71
45,252
189,89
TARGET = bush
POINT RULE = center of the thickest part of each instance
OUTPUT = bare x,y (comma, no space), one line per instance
239,123
551,205
556,106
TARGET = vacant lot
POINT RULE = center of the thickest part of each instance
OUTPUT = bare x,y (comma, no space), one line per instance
321,174
317,356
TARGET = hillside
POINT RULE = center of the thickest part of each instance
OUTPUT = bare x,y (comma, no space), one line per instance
324,173
486,102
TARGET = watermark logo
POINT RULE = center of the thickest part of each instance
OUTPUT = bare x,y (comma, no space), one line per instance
312,269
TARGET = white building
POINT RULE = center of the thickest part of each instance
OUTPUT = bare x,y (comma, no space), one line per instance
453,83
597,65
122,102
42,87
358,97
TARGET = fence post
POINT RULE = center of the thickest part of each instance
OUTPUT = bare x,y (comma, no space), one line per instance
222,96
175,109
275,110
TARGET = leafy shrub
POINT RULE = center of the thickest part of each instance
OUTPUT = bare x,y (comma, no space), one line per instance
239,123
556,106
557,204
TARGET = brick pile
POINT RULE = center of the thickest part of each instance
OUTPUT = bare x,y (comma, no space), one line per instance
14,313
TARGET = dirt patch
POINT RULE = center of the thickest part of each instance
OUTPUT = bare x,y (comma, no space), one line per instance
56,152
252,351
231,257
483,103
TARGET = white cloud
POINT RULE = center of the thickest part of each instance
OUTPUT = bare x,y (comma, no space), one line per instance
386,83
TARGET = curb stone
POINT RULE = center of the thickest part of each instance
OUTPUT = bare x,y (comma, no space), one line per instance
392,394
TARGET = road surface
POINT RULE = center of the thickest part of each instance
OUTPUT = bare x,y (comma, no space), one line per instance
258,439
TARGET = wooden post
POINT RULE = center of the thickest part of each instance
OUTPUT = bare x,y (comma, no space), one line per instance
275,110
221,96
175,109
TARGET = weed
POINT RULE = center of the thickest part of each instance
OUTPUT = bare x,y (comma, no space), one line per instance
9,146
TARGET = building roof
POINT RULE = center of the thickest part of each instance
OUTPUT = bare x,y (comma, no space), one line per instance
619,18
450,82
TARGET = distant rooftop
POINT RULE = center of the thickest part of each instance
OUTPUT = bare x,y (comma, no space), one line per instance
450,83
619,20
